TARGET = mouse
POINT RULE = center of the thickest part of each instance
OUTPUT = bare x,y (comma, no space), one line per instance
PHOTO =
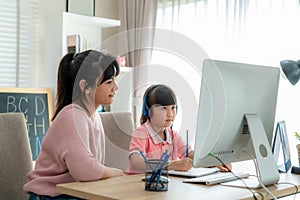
295,169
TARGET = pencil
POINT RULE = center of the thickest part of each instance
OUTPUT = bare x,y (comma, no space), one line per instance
187,144
146,160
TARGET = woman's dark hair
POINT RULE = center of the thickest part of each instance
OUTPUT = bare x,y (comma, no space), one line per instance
156,94
89,65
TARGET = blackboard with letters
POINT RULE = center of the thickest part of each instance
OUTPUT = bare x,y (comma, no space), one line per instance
36,104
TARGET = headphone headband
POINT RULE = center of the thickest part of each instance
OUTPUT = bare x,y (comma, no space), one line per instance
147,93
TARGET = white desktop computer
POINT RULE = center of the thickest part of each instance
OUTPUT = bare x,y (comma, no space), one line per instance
236,116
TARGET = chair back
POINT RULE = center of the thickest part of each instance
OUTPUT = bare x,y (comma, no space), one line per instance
15,156
118,128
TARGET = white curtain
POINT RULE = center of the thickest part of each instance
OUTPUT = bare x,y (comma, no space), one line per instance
139,20
139,14
262,32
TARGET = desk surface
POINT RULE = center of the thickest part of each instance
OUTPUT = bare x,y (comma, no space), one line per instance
132,188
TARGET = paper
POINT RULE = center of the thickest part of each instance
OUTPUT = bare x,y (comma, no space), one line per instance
281,148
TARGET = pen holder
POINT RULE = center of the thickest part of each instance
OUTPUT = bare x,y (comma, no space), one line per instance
156,175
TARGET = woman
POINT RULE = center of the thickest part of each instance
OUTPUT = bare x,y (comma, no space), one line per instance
73,147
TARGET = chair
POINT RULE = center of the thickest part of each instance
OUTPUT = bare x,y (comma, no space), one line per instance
118,128
15,156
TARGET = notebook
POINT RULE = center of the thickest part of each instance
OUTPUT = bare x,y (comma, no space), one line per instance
215,178
194,172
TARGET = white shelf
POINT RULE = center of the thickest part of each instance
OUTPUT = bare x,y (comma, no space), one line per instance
89,28
84,20
58,27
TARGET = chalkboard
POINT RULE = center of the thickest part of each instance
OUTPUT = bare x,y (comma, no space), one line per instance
36,104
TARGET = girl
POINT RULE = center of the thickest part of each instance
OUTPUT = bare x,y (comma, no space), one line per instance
155,135
73,148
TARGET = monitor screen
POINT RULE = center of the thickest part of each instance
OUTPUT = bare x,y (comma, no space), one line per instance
236,113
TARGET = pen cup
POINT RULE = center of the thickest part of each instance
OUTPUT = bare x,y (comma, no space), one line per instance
156,175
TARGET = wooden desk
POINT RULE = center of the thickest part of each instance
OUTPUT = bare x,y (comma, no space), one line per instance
132,188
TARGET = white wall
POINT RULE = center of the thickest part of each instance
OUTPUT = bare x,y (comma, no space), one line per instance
108,9
103,8
46,8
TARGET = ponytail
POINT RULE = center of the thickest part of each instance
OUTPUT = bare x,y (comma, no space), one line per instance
65,83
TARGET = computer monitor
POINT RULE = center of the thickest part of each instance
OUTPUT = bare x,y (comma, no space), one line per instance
236,116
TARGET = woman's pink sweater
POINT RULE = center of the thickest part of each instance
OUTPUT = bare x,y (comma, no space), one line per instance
72,150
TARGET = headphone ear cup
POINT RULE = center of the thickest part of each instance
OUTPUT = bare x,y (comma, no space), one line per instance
144,111
145,108
149,112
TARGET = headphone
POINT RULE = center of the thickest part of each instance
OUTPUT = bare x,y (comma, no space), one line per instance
146,111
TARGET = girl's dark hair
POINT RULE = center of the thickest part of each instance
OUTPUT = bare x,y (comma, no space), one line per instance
89,65
156,94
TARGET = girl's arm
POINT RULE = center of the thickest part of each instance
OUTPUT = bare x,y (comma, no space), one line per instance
138,143
226,168
184,164
191,154
137,162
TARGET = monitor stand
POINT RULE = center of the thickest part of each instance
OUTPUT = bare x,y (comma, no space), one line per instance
267,168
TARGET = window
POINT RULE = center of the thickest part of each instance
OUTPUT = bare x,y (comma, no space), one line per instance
18,43
257,32
263,31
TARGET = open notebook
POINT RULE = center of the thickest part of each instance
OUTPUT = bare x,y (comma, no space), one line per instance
194,172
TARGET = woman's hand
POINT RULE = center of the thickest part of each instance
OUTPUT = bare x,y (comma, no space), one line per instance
181,165
117,172
226,168
111,172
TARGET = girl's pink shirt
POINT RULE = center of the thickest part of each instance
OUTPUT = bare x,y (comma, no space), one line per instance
145,139
72,150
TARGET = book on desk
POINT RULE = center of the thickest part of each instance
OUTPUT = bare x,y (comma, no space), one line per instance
207,176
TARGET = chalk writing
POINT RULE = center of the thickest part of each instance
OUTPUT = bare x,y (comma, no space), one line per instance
36,105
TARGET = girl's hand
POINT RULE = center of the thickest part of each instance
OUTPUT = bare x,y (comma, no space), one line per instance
181,165
225,169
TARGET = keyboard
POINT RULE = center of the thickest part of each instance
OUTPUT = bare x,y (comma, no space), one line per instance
218,177
194,172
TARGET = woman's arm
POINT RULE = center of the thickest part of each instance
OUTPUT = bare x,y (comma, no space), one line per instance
111,172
